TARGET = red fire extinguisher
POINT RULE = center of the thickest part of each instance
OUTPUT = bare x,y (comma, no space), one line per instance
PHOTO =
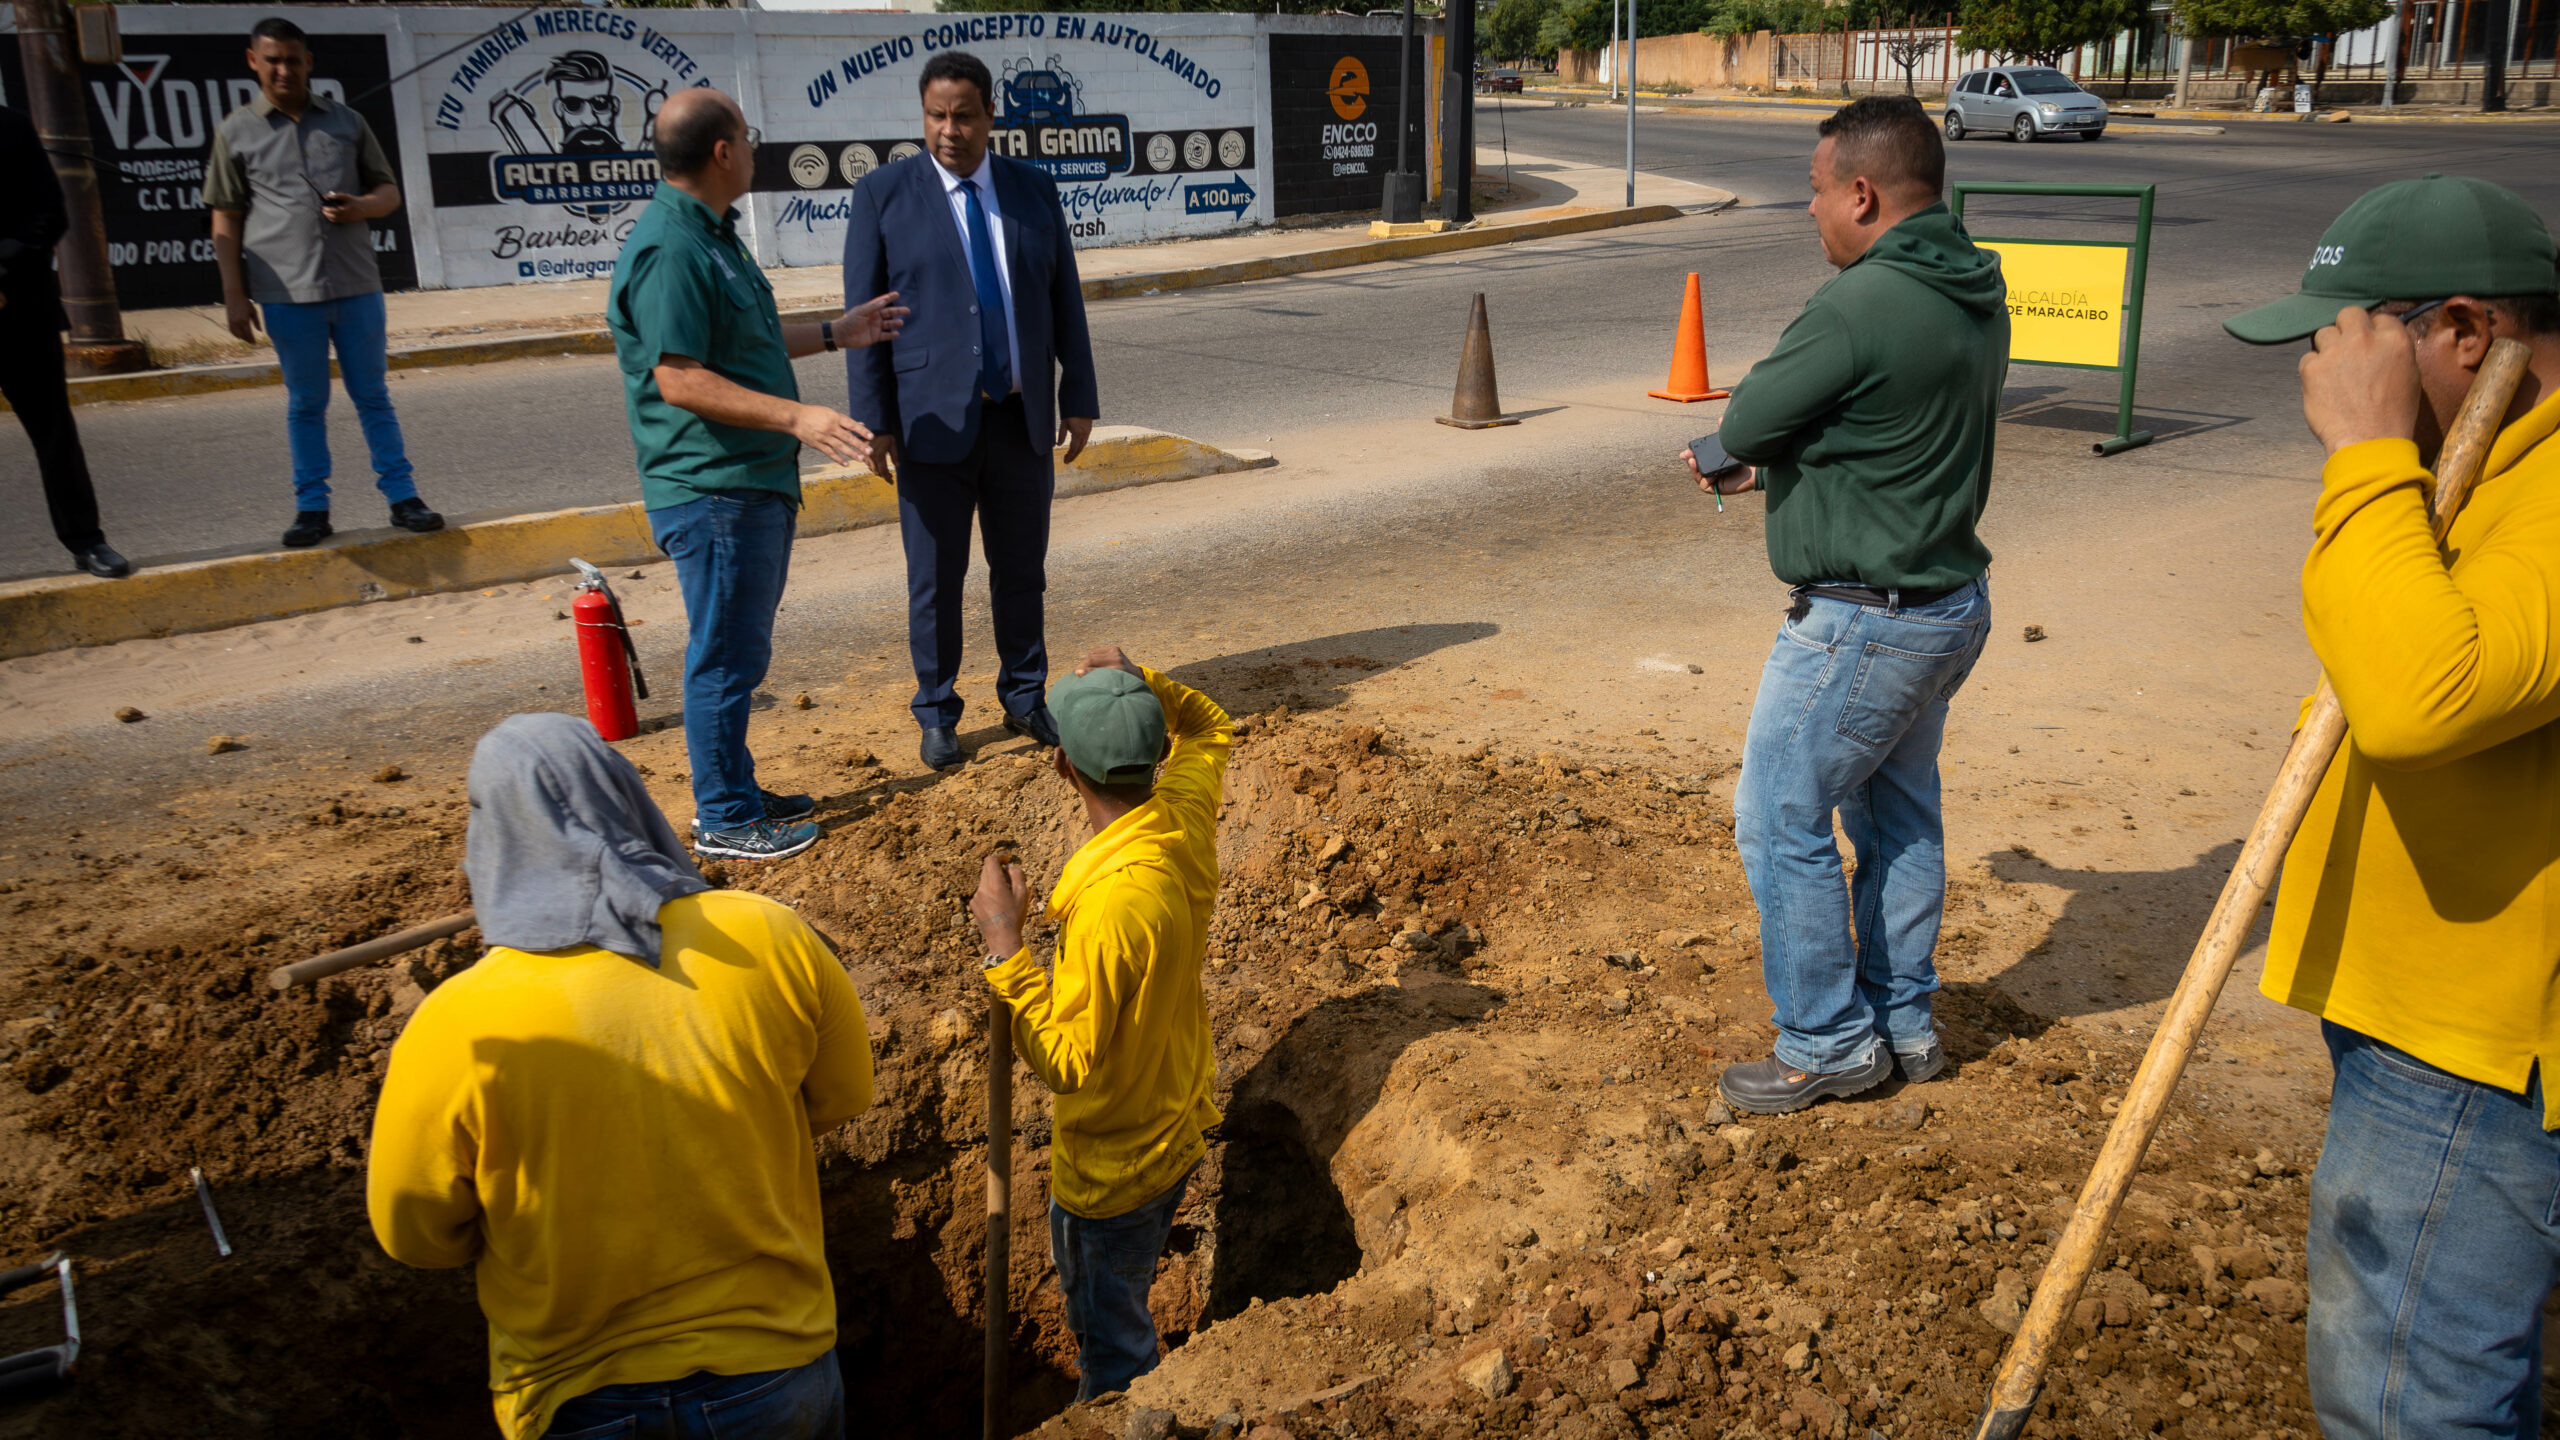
608,663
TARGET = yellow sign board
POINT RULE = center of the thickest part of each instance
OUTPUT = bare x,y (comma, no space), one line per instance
2066,302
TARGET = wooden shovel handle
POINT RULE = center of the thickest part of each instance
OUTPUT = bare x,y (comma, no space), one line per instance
2021,1375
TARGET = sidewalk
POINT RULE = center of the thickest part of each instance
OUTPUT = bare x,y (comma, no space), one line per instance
505,322
1745,101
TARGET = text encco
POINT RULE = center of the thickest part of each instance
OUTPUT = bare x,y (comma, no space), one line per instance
1351,142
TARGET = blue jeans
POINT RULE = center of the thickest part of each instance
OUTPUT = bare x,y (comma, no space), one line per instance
1851,710
802,1404
2433,1244
1105,1269
733,553
304,335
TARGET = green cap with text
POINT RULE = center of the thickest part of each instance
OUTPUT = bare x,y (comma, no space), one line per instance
1110,724
2427,239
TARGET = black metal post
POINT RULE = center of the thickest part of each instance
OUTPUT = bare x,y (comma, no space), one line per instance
1403,198
1458,116
2493,78
48,51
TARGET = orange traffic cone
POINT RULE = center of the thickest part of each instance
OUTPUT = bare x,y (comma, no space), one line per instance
1476,406
1689,354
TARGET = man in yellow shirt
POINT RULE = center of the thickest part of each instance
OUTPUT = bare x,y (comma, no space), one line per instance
2420,910
1117,1029
611,1116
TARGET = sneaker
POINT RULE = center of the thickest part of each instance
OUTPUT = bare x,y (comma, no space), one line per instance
763,840
309,528
785,808
102,561
413,514
1920,1065
1771,1086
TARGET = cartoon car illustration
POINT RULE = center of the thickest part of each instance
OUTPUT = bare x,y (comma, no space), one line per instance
1031,96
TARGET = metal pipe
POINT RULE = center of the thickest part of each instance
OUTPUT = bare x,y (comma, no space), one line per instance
1631,104
285,977
48,51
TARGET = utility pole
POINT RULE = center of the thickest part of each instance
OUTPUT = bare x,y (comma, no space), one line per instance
1458,116
2186,70
2391,57
1403,198
1631,104
49,54
1617,57
2493,78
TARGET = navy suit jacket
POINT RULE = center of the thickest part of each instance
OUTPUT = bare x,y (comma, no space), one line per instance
922,387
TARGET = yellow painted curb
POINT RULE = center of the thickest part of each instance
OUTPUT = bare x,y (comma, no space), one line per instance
206,379
60,612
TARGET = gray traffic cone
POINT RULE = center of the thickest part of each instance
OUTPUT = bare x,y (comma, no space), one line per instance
1476,406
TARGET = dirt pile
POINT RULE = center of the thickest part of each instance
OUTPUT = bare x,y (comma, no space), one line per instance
1469,1010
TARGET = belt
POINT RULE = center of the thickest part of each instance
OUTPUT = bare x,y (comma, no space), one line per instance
1869,595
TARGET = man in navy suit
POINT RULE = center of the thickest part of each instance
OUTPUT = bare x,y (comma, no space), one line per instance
962,403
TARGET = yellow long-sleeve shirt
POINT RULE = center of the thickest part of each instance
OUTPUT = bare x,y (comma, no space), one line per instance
1120,1033
626,1152
2419,905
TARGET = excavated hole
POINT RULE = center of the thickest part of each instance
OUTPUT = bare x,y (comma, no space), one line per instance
1283,1229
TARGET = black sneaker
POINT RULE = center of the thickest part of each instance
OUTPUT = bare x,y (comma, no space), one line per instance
785,808
413,514
310,527
1920,1065
102,561
763,840
1771,1086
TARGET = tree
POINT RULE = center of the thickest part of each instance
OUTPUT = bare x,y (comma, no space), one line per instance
1908,50
1516,29
2300,21
2042,31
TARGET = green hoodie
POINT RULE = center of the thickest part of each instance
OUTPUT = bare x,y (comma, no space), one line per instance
1873,419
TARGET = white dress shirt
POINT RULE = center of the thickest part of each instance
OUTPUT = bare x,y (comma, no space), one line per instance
986,180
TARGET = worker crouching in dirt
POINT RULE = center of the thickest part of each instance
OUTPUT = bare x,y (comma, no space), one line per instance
1117,1028
611,1116
2416,917
1871,429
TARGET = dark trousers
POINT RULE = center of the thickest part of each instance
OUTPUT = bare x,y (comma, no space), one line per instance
1006,483
732,551
31,376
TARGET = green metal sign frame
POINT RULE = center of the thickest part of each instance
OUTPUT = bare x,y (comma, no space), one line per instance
2126,437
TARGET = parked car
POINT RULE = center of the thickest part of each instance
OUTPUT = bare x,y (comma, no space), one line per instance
1500,82
2026,101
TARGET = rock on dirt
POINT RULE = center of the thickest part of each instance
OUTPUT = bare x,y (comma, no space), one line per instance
222,745
128,714
2281,1299
389,775
1143,1423
1489,1374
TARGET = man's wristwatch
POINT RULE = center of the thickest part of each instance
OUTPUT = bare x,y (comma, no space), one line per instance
827,334
992,961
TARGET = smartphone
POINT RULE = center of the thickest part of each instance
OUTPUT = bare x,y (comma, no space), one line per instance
324,195
1712,461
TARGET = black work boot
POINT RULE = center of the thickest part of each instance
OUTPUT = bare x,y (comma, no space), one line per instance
413,514
310,527
1771,1086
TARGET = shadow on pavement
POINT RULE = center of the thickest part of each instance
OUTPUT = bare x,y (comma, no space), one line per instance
1316,674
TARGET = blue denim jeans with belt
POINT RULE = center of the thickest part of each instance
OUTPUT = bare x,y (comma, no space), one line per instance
2434,1241
1851,711
304,334
806,1403
1105,1269
732,551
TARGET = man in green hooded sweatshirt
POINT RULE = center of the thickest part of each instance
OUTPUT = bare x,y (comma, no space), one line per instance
1870,427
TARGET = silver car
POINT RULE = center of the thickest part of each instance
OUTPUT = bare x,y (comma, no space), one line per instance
2026,101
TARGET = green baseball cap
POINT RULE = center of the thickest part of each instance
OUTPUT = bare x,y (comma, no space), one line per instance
2426,239
1110,724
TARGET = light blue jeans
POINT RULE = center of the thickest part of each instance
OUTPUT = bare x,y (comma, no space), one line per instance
732,550
304,336
1105,1269
1851,710
2433,1244
802,1404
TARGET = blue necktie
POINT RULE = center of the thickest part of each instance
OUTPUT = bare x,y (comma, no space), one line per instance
995,359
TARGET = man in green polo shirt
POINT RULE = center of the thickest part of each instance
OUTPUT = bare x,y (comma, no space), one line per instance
717,421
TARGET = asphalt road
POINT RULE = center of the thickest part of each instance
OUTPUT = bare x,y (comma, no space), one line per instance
1250,364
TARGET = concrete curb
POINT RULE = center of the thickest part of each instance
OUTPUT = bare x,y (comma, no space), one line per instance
61,612
206,379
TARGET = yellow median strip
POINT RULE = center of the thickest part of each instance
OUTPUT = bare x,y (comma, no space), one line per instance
58,613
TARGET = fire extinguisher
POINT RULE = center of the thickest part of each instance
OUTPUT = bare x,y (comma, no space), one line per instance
608,663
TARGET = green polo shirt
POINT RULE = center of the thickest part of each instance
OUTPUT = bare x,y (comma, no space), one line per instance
685,286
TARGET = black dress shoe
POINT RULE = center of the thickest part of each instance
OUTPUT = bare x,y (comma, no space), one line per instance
413,514
1036,727
941,747
1771,1086
102,561
310,527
